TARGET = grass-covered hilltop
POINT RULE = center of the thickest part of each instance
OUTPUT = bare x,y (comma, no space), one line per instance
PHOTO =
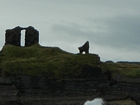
65,74
56,63
38,60
34,59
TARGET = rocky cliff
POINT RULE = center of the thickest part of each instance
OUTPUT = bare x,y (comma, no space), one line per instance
38,90
39,75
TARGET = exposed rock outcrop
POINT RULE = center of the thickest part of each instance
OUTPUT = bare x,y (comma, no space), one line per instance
38,90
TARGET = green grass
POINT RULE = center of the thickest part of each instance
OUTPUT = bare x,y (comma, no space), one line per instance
122,102
38,60
54,62
128,70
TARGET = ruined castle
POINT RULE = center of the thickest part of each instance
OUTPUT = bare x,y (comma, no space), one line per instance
13,36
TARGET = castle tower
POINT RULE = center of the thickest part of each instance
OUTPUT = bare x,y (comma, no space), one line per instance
13,36
31,36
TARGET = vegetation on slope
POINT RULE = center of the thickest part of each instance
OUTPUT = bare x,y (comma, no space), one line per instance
55,63
38,60
125,69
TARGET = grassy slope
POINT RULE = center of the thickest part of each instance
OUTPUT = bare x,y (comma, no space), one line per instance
129,70
38,60
56,63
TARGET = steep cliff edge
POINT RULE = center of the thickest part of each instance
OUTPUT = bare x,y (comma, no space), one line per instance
38,75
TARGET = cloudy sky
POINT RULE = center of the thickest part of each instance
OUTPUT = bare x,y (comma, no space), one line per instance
112,27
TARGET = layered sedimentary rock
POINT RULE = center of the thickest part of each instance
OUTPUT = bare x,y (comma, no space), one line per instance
38,90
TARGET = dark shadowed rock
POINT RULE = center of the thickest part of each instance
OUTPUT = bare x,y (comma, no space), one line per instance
91,72
84,48
31,36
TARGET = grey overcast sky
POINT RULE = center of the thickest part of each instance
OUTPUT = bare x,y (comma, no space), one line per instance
112,27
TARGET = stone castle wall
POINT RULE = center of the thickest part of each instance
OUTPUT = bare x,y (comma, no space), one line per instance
13,36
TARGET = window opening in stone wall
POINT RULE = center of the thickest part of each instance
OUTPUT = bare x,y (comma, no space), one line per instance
23,38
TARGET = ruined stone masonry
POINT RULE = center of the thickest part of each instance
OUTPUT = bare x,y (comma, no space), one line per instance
84,48
31,36
13,36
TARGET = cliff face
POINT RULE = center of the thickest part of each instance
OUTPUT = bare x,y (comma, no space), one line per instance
38,90
49,76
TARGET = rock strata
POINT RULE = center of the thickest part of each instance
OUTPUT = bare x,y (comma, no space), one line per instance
39,90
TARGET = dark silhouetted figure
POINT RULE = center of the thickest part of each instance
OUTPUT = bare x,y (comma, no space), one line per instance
13,36
31,36
84,48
